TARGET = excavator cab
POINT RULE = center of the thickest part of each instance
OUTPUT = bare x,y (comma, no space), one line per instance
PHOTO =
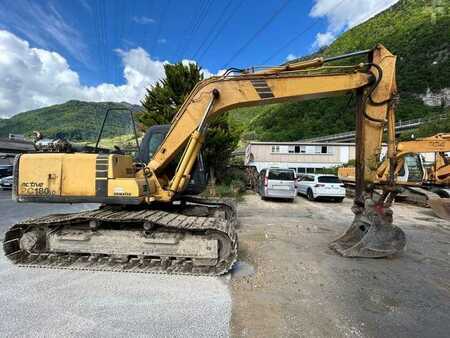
149,145
413,169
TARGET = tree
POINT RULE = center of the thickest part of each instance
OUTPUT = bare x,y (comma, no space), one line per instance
219,144
163,100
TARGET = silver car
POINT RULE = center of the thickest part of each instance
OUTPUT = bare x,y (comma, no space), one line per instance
6,182
277,183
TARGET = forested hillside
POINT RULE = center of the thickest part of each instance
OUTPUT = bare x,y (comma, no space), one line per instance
417,31
77,120
414,30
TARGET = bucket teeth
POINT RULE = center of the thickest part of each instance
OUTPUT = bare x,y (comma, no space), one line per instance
372,234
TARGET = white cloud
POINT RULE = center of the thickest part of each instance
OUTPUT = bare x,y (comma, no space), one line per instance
206,73
220,72
291,57
162,40
45,26
345,14
323,39
32,78
85,4
143,20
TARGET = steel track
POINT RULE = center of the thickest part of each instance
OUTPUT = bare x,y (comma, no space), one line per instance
223,228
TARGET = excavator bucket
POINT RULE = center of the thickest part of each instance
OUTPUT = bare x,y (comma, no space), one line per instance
372,234
441,207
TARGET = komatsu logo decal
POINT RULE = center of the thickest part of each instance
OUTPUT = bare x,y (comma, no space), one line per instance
262,88
119,191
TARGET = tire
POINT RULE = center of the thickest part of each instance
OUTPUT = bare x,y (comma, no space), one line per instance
263,198
310,195
339,200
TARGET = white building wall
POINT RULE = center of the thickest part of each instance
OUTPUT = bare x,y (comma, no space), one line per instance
276,154
344,154
298,166
310,157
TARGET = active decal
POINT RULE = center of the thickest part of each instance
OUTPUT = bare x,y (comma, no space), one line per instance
36,188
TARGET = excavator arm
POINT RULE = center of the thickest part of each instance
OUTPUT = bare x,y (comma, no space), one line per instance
220,95
375,86
440,171
374,83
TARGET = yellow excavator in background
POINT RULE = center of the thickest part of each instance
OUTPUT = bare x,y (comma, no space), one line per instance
420,185
148,224
439,173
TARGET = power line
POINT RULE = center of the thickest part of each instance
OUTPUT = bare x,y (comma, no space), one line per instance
160,25
259,31
189,28
103,37
215,25
147,28
196,25
290,41
220,30
201,20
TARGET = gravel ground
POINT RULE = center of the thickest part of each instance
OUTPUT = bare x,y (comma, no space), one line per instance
58,303
292,285
286,284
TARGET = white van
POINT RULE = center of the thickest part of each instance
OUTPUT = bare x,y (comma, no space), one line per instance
277,183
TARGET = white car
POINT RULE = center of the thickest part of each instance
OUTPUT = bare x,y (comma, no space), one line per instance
321,186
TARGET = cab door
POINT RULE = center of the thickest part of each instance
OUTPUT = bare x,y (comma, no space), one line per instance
412,169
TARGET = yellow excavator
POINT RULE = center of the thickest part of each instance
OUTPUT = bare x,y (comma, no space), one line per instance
413,173
439,173
147,222
420,185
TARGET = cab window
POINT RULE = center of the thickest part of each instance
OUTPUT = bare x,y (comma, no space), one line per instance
281,175
153,143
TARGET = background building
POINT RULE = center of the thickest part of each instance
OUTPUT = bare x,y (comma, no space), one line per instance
302,156
305,157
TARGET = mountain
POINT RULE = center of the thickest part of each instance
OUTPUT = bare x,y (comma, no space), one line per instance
417,31
77,120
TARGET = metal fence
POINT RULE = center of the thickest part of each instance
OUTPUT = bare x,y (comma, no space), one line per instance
400,125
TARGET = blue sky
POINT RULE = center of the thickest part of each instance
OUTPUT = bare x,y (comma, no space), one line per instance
100,47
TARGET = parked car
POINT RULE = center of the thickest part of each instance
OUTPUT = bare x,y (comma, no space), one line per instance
277,183
6,182
321,186
6,170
